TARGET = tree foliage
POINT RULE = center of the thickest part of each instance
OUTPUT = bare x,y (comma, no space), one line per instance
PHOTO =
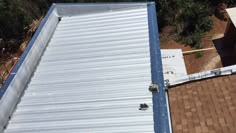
194,20
228,2
15,17
191,18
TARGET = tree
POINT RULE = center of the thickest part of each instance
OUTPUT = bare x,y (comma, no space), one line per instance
194,20
15,17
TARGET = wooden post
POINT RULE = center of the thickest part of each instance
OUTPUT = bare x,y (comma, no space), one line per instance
198,50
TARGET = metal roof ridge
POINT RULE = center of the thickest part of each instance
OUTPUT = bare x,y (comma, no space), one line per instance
229,70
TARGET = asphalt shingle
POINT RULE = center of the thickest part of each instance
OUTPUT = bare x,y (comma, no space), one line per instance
205,106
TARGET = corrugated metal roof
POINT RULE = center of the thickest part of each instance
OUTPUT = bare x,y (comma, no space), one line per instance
92,78
232,14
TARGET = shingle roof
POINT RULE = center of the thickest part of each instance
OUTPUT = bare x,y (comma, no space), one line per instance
204,106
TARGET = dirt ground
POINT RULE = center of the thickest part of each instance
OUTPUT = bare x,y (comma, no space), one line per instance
197,62
6,63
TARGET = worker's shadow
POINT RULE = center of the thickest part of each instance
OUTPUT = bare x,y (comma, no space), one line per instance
226,53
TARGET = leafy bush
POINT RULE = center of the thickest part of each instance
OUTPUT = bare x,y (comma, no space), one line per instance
193,39
15,17
190,17
194,20
199,55
216,2
162,9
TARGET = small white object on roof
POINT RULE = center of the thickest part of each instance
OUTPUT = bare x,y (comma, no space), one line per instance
173,63
232,14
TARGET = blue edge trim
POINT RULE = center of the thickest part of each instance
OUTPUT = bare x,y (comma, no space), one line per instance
161,121
25,53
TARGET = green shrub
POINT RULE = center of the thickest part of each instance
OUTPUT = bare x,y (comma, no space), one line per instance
216,2
194,20
194,39
16,16
199,55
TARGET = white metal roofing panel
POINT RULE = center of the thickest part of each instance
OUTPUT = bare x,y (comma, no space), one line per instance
92,78
173,63
232,14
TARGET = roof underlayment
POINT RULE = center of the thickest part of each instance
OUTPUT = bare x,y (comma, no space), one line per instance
173,64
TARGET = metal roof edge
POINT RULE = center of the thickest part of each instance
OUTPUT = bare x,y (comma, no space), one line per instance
162,120
18,78
25,53
71,9
105,3
202,75
232,14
